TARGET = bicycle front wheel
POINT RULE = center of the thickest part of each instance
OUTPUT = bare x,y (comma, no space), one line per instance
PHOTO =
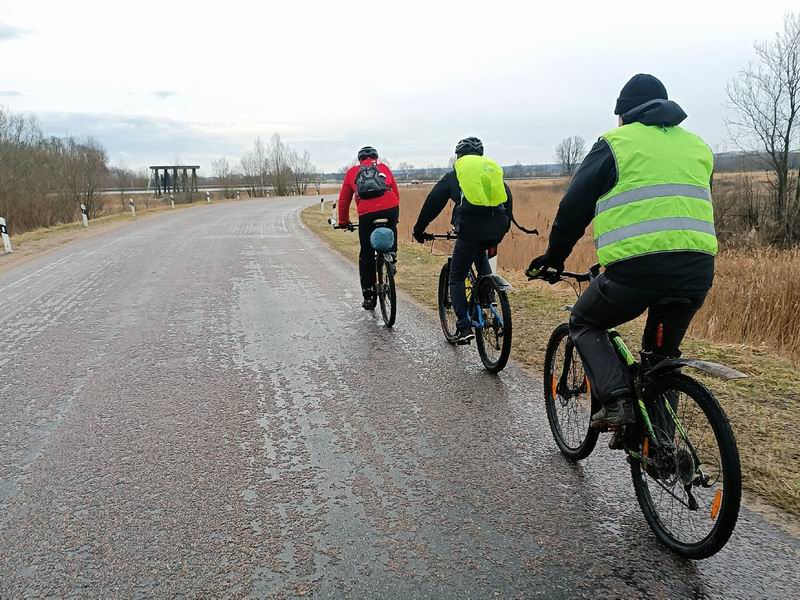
447,316
387,295
568,397
689,484
494,338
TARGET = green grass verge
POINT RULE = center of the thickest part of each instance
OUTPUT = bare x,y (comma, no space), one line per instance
763,409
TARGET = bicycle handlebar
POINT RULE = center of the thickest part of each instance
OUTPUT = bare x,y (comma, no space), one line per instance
439,236
552,276
348,227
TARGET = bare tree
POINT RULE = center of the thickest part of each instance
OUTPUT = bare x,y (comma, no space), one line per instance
95,169
123,183
405,170
255,170
43,180
222,172
277,164
569,153
303,172
765,98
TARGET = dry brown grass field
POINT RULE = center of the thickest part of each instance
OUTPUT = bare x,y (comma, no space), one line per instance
763,409
755,300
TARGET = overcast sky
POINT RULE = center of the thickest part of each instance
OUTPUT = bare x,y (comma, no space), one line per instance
157,80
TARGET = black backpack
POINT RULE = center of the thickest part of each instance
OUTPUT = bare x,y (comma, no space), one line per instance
370,182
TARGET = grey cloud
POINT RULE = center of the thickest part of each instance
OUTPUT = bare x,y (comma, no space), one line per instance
141,140
9,32
9,93
163,93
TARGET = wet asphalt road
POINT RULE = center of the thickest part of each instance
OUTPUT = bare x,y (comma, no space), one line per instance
194,406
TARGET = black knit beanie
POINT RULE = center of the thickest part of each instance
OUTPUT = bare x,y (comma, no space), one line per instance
639,89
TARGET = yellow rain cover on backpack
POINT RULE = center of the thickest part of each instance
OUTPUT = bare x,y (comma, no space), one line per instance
481,180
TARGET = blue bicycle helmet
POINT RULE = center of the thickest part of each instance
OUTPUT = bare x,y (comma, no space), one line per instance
382,239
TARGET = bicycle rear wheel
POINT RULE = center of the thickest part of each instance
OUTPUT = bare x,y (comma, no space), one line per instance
447,316
387,295
567,397
691,488
494,339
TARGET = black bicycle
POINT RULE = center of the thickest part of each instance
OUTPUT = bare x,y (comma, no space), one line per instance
489,310
385,270
682,453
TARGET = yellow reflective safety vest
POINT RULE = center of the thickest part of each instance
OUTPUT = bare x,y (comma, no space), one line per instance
662,199
481,180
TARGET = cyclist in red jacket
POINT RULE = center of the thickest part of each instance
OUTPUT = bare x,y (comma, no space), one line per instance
381,200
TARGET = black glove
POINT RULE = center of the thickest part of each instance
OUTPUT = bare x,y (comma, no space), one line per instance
419,236
545,262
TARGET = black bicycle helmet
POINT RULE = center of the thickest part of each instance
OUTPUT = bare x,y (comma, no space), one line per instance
470,145
367,152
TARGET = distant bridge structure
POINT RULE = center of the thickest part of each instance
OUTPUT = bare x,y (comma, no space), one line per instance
173,178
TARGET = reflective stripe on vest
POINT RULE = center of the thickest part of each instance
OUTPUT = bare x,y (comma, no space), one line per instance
480,180
662,199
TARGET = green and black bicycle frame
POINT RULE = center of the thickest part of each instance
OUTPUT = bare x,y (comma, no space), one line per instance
642,442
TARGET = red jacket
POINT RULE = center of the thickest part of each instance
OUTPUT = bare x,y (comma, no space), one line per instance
389,200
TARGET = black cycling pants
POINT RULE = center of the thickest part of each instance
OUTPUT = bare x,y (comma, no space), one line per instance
465,254
366,258
606,304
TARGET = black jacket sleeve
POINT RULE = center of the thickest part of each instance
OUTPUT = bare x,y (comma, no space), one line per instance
595,177
434,204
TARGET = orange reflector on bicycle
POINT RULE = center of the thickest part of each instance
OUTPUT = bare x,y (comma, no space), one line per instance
716,504
588,385
646,447
553,385
660,335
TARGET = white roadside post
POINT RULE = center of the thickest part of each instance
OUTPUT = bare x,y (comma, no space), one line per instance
238,193
322,206
133,206
85,215
172,200
4,235
334,217
208,198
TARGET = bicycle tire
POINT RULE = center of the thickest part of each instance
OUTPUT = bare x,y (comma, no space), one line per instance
727,502
489,289
447,316
387,294
575,448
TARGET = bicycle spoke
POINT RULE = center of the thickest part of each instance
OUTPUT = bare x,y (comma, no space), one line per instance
695,456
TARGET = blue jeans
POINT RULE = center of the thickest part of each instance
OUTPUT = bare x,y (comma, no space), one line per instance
465,254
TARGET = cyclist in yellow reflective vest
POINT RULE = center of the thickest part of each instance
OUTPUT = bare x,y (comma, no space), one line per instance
646,189
482,214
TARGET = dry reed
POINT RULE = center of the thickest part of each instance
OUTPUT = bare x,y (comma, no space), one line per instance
755,300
